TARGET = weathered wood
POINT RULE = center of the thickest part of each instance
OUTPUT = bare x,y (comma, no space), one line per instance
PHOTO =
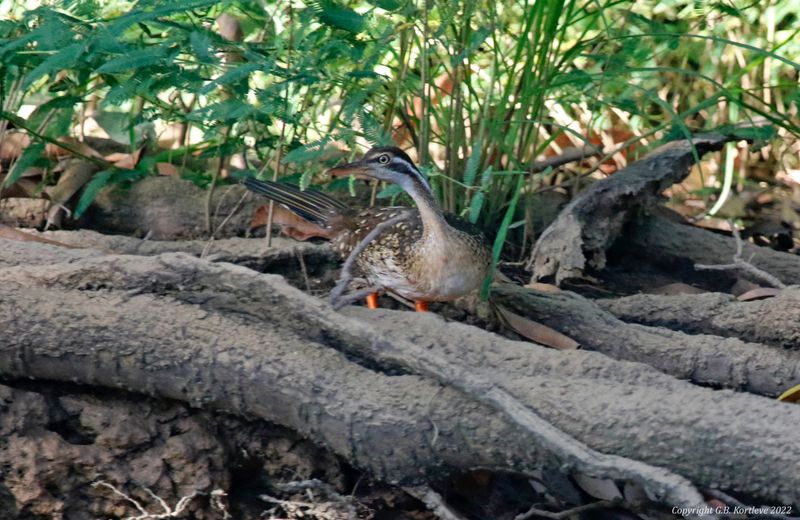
773,321
224,336
707,359
668,242
168,208
588,226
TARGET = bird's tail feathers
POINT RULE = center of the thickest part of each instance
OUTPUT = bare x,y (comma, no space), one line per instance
310,205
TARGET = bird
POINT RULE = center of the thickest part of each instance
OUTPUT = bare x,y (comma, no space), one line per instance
425,256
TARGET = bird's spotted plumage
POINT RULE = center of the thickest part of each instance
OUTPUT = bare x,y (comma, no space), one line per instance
426,256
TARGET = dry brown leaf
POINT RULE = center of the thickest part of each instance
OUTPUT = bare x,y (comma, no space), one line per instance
291,225
543,287
165,168
125,160
76,174
742,286
759,293
537,332
9,233
12,143
56,152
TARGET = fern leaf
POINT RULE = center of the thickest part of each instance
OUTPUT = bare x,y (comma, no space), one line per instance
99,180
26,160
134,60
236,74
338,16
227,111
308,152
63,59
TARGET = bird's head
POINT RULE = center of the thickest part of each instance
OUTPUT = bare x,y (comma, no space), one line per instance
384,163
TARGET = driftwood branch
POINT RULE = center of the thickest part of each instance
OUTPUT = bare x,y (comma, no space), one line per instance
224,336
588,225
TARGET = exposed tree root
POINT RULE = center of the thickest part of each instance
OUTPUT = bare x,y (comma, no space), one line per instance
667,242
773,321
224,336
727,362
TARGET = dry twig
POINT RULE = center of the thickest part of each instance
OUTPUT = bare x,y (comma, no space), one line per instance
434,502
743,267
567,512
169,512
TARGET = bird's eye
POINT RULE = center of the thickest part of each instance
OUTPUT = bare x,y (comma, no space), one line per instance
383,159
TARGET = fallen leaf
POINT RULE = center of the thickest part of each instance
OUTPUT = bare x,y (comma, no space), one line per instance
543,287
75,176
165,168
54,151
9,233
125,160
742,286
537,332
759,293
602,488
792,395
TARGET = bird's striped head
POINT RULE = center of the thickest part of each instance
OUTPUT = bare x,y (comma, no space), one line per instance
385,163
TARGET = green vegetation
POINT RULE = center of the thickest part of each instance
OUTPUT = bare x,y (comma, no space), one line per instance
479,89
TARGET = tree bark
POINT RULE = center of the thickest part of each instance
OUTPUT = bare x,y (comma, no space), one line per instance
667,242
705,359
392,392
589,225
772,321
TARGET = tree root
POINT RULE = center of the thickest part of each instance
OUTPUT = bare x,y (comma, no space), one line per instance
221,335
727,362
772,321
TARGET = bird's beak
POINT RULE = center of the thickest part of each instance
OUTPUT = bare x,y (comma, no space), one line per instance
357,169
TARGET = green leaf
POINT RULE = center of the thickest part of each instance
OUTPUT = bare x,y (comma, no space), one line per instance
486,176
227,111
390,191
497,247
338,16
239,73
751,133
26,160
201,44
59,112
134,60
63,59
308,152
471,169
475,206
387,5
99,180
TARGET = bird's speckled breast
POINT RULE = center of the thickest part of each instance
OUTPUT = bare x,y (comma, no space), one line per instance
401,260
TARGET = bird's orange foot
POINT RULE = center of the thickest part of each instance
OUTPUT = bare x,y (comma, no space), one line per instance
421,306
372,300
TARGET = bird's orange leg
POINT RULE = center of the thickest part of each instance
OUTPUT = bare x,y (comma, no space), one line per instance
372,300
421,306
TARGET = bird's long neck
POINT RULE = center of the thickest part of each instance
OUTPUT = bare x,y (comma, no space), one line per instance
430,211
